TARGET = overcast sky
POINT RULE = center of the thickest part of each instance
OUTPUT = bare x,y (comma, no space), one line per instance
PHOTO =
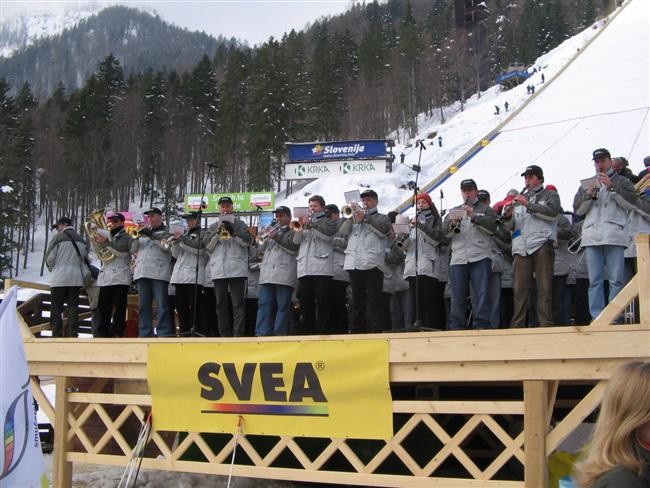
251,20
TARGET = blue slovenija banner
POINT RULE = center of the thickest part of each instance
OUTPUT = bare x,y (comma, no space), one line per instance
322,151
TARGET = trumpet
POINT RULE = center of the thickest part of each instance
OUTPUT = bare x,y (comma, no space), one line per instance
347,211
295,225
642,185
134,231
264,236
166,244
224,235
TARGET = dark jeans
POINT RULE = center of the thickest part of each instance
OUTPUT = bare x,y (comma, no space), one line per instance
339,309
365,312
431,301
65,298
185,306
314,295
561,301
465,280
112,310
234,325
149,291
209,327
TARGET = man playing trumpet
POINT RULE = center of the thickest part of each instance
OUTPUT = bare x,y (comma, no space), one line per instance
227,242
277,277
315,266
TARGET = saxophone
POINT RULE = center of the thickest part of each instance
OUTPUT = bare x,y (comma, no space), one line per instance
96,221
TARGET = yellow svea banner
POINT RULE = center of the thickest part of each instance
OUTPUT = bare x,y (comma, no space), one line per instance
332,388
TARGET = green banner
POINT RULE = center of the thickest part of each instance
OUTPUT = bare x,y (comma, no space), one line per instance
242,202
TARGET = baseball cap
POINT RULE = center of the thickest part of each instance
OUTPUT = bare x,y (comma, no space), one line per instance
224,200
62,221
191,215
469,183
283,210
483,195
332,208
116,216
153,210
370,194
533,170
601,154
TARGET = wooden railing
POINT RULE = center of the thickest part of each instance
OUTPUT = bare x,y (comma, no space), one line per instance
471,408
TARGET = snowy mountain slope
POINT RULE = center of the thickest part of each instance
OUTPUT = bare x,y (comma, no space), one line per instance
600,100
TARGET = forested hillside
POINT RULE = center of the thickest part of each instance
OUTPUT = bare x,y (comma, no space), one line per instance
146,137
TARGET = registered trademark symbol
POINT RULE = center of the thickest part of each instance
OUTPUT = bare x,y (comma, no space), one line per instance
320,365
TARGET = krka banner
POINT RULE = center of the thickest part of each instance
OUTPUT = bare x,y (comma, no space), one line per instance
242,202
320,151
332,388
21,463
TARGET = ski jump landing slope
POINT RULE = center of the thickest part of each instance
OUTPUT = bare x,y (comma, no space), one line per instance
600,100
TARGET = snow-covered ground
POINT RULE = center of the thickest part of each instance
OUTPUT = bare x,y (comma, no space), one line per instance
600,100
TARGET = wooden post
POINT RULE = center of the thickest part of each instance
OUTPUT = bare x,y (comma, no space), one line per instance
643,272
535,428
62,468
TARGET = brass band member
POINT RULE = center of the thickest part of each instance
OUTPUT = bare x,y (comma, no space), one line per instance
471,264
153,268
227,242
189,253
364,260
65,262
341,278
315,267
532,219
114,279
603,233
278,277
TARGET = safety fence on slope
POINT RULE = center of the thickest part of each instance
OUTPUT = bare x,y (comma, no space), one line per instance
470,408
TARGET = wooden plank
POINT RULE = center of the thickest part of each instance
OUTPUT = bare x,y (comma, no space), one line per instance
617,306
288,474
575,417
643,265
43,402
61,467
535,403
110,399
459,407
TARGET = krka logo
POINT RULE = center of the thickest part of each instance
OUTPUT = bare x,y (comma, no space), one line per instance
300,170
280,399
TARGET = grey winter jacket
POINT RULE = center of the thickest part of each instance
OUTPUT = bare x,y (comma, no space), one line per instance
565,234
228,258
605,219
62,259
316,254
278,264
152,260
186,250
638,220
394,280
366,241
117,271
535,225
339,243
429,235
472,243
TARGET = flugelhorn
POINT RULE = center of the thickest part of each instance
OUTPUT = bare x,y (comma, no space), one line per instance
262,237
295,225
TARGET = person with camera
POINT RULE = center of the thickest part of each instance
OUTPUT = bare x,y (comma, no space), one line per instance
114,279
470,227
227,242
65,256
153,269
315,266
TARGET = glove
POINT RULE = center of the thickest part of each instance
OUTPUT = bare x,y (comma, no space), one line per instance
146,231
229,227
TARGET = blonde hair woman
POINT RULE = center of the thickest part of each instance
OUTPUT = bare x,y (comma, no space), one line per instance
619,454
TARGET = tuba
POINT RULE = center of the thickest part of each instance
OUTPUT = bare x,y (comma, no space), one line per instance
96,221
